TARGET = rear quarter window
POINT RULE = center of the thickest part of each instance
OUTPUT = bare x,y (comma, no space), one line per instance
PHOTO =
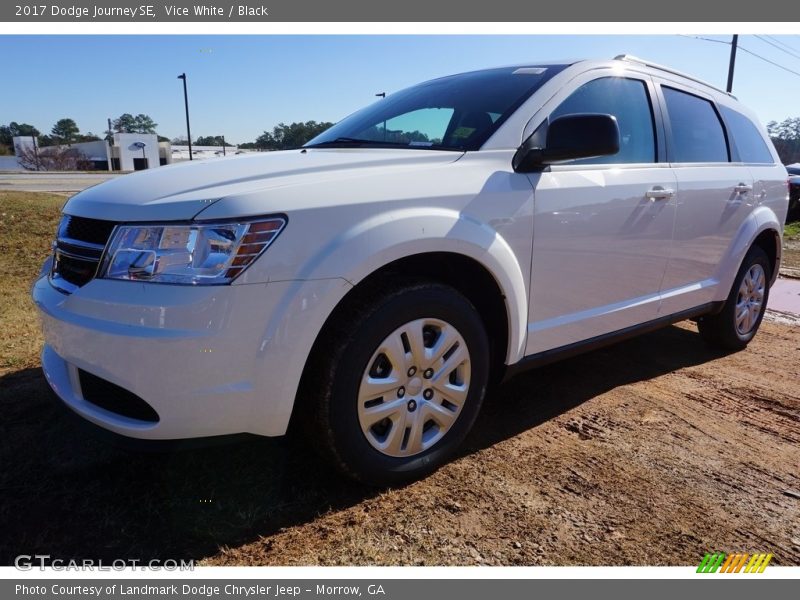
750,144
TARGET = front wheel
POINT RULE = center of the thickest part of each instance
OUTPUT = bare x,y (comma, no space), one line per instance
399,383
740,318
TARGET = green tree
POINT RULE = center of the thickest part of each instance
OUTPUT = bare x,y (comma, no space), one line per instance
16,129
22,129
12,130
65,131
6,139
210,140
144,124
87,137
127,123
786,138
124,123
294,135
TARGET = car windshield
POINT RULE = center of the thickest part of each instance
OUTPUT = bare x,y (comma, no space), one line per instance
459,112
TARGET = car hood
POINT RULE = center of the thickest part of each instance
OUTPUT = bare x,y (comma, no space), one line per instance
180,192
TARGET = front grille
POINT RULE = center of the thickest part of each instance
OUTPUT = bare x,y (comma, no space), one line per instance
93,231
79,247
114,398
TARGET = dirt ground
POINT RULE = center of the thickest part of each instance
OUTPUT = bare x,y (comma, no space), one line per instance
650,452
790,263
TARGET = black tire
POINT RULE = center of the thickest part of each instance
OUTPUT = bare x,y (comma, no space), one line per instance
720,330
329,394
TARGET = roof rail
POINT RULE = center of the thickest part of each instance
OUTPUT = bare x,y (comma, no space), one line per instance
647,63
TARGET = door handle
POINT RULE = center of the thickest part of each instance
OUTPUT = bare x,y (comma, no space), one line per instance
659,193
743,188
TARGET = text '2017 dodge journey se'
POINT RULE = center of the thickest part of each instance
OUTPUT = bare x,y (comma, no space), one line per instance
371,284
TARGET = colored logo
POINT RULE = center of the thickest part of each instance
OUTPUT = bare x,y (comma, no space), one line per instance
734,563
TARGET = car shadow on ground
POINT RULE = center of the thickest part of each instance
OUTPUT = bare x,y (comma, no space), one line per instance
67,494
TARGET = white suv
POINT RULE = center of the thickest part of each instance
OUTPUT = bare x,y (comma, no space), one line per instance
373,283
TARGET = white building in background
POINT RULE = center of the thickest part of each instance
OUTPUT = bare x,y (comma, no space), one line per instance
129,152
137,151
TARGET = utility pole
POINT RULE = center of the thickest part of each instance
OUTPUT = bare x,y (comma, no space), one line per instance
109,144
223,146
186,103
734,44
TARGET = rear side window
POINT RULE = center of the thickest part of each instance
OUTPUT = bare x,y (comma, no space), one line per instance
697,133
751,146
629,102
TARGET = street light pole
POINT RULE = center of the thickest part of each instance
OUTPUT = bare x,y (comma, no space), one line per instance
186,103
382,95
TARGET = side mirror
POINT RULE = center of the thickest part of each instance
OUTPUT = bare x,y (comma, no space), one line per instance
568,138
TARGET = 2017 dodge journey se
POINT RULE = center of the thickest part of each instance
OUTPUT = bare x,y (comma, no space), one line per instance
371,284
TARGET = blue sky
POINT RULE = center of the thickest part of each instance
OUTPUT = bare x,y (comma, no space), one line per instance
241,85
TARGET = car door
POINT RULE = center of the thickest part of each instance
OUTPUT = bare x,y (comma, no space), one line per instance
714,196
602,227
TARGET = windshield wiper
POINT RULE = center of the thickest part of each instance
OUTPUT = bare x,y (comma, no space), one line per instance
344,142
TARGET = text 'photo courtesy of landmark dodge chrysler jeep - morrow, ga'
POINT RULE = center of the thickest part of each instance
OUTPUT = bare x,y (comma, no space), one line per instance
371,285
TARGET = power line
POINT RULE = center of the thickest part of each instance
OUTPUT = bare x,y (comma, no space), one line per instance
772,62
774,45
705,39
784,44
743,49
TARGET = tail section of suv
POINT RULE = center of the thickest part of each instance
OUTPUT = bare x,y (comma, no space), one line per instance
371,284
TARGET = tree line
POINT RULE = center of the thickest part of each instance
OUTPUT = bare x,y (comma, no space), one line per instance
66,131
785,135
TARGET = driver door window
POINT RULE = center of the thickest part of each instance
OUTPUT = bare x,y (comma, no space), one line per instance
627,100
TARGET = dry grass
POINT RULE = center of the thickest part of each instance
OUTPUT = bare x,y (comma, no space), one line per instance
27,226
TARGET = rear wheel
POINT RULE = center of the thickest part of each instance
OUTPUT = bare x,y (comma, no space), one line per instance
740,318
398,383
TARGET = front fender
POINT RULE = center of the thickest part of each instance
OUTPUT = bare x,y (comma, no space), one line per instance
379,240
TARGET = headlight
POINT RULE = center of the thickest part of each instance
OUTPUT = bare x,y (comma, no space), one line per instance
196,253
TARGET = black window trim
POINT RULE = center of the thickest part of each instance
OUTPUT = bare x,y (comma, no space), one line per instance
667,83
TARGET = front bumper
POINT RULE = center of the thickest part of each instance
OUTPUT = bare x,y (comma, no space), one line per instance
211,361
